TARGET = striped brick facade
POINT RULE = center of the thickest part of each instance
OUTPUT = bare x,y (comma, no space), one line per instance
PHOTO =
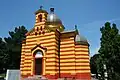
62,56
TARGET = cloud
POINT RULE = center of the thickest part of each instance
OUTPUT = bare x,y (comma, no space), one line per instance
92,26
92,32
94,51
113,20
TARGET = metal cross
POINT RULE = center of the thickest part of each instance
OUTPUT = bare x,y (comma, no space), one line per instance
41,7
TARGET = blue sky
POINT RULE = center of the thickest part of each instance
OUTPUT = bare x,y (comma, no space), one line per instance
88,15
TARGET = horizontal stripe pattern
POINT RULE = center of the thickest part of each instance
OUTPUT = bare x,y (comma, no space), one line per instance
82,58
73,58
44,41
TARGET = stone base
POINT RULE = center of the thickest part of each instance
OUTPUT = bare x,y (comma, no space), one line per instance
79,76
66,76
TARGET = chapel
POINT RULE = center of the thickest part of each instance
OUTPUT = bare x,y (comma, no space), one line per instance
51,51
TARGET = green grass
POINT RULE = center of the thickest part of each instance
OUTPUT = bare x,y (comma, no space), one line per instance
3,74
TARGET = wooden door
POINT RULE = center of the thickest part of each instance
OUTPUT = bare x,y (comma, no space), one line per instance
38,66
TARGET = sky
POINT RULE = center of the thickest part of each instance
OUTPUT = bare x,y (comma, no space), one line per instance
88,15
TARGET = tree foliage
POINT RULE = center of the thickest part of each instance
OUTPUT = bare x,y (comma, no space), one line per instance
109,52
4,57
93,63
10,48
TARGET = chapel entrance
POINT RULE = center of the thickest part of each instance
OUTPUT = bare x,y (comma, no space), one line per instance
38,63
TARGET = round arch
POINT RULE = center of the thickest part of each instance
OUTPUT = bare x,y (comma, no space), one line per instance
38,54
38,62
36,49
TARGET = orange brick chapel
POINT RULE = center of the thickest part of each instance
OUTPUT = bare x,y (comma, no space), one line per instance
50,51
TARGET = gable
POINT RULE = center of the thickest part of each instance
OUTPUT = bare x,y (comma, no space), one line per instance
39,46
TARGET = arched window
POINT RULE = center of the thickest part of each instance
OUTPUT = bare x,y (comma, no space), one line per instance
38,62
40,17
38,54
37,28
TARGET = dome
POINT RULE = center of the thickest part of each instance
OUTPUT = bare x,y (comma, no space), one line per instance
52,18
41,11
80,39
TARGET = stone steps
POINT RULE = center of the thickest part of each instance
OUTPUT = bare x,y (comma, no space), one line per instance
36,77
40,77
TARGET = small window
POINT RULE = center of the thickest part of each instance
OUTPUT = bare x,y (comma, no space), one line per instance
37,28
40,17
41,28
39,33
36,33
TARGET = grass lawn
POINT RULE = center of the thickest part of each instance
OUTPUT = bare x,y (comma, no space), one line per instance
3,74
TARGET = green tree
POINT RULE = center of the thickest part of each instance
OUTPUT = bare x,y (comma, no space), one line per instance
4,57
93,63
96,65
14,44
110,50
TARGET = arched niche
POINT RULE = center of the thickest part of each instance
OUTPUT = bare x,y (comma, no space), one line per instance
38,53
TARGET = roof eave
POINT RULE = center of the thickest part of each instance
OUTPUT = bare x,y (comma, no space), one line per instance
41,11
82,43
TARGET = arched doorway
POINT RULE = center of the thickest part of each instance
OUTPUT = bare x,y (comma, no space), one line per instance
38,61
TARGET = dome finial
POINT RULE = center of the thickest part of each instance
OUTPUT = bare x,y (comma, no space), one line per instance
75,27
41,7
52,10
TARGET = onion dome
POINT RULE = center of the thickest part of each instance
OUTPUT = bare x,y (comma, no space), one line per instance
81,39
52,18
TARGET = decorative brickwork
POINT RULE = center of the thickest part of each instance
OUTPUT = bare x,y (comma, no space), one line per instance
62,56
